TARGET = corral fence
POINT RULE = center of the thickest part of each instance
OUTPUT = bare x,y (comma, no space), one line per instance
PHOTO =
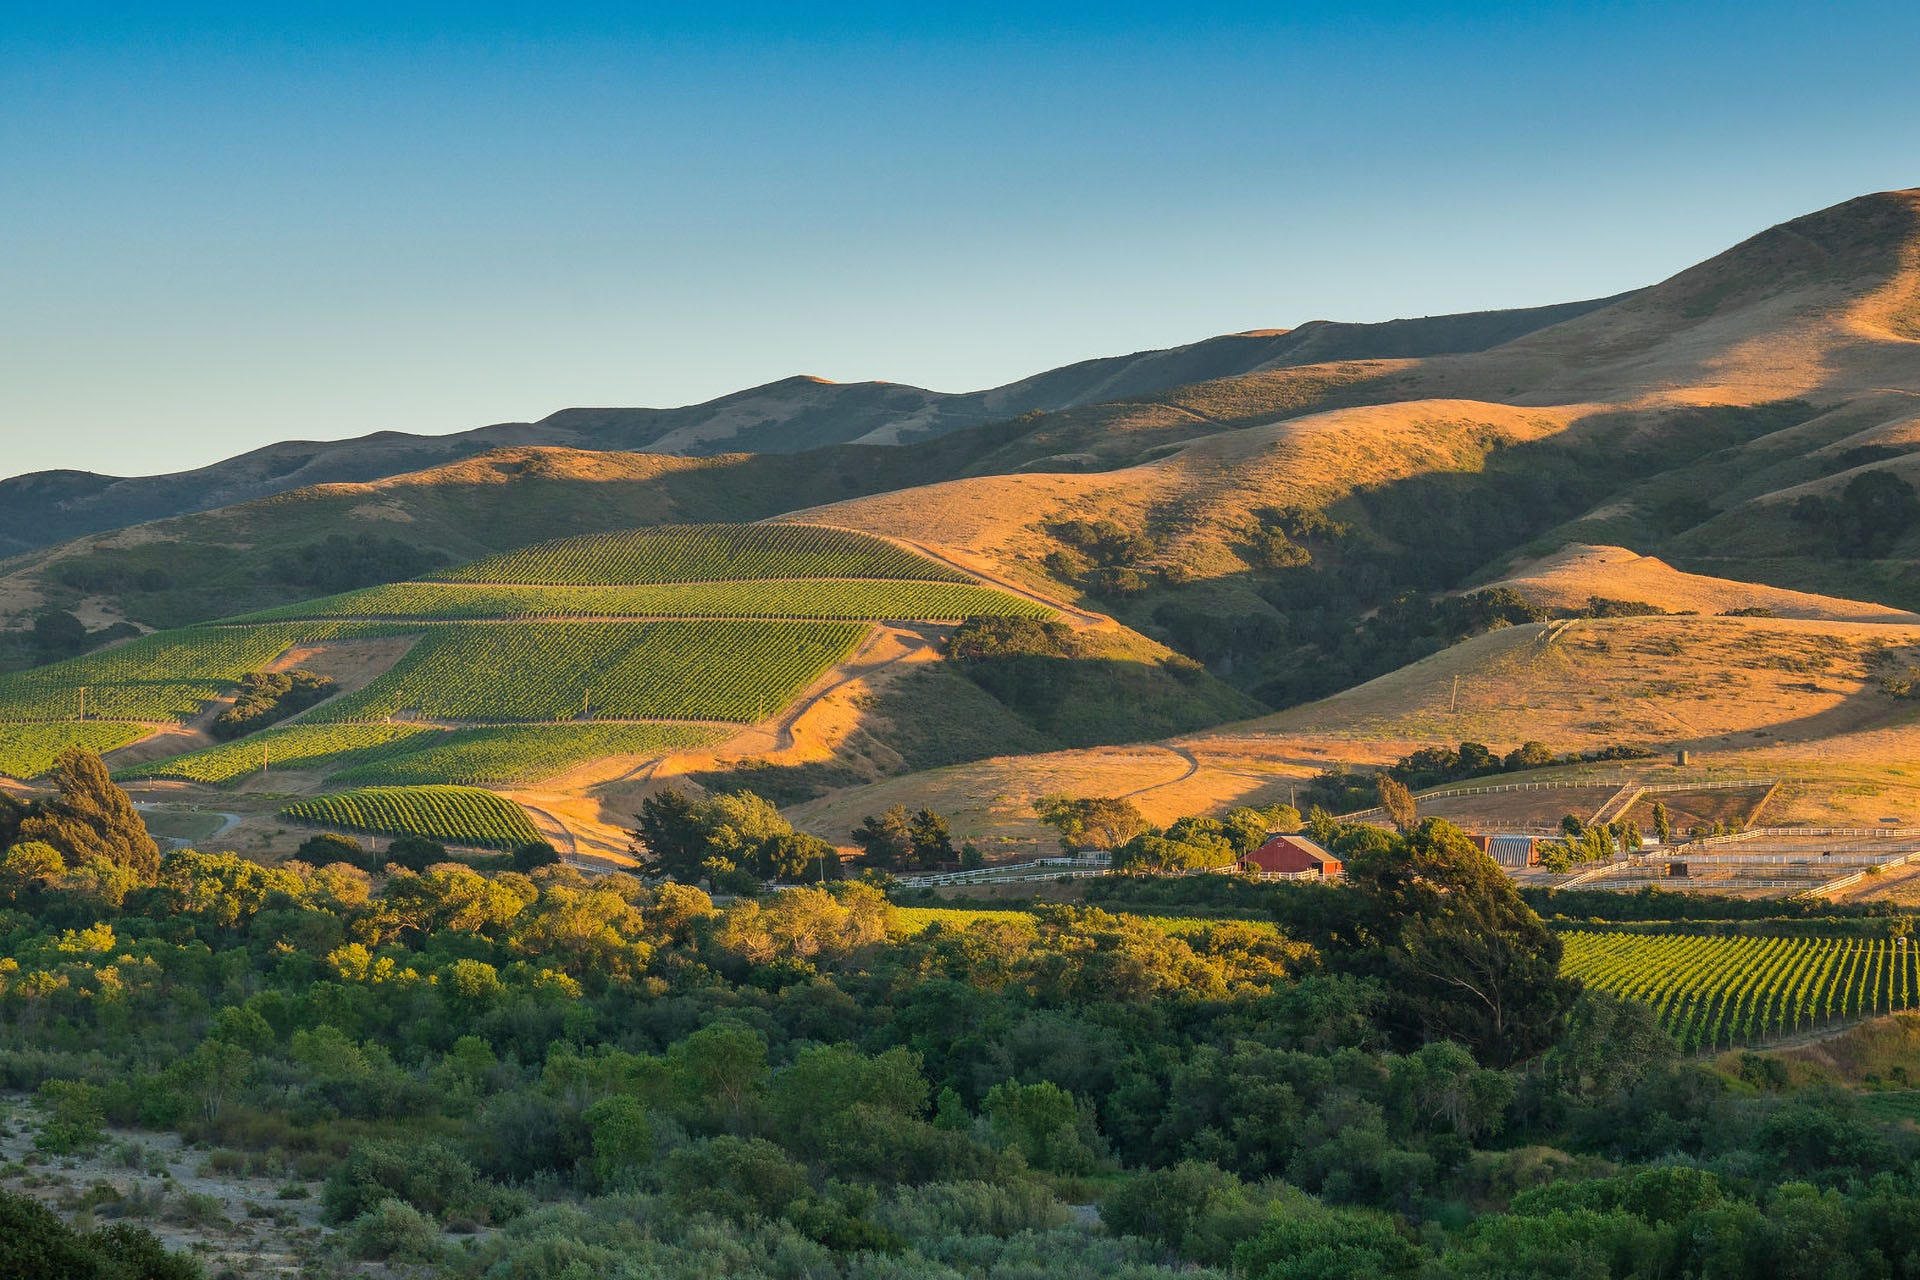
1617,784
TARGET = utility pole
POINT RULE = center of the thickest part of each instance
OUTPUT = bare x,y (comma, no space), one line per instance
83,702
263,755
1455,704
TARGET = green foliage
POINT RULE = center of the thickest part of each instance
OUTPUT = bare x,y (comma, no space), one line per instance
1190,844
35,1243
329,847
393,1231
1311,1243
1096,822
736,1178
1873,512
457,815
897,840
340,562
73,1118
1044,1124
1466,957
267,696
427,1177
91,819
733,837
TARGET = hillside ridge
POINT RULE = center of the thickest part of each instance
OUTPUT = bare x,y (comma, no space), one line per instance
797,412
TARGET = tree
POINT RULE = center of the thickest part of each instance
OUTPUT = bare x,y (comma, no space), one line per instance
667,840
796,858
1099,822
1399,803
415,853
887,840
723,837
1465,957
531,857
1529,755
932,839
329,847
92,818
1044,1123
1871,515
58,634
1877,510
1662,822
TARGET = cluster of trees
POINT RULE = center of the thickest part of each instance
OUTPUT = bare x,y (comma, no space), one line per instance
1103,556
87,832
58,634
1339,789
733,842
266,697
918,841
342,562
1201,843
1874,512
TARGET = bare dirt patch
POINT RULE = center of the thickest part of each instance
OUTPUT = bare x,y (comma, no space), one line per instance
233,1221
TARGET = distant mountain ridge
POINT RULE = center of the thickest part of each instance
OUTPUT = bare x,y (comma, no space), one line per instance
44,508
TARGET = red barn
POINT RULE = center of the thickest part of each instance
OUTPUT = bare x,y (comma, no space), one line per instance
1292,858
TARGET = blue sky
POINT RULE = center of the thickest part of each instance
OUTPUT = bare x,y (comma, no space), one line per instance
224,227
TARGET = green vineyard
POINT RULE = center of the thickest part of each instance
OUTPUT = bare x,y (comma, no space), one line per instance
168,676
1717,992
514,668
514,754
548,671
300,746
367,753
29,750
454,815
854,599
706,553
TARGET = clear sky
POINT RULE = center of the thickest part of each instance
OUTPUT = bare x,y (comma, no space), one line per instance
226,225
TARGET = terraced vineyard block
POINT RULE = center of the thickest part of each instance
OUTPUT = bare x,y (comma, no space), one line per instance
300,746
28,750
454,815
1715,992
552,671
706,553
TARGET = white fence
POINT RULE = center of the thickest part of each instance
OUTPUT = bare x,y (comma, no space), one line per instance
1618,784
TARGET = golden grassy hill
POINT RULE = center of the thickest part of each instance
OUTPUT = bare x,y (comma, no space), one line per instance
1570,577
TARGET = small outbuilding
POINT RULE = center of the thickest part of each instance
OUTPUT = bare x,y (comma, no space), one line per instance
1510,851
1291,858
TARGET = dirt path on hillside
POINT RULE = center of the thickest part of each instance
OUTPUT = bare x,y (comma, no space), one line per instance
1192,767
